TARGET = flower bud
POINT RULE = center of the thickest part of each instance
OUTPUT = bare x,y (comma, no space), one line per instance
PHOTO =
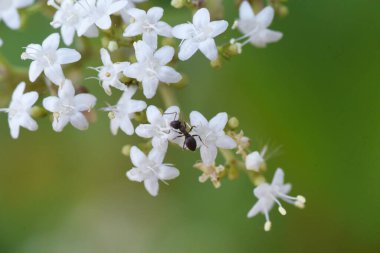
126,150
178,3
216,64
113,46
283,11
233,123
38,112
255,162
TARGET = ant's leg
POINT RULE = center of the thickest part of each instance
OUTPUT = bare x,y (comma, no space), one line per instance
200,139
179,136
175,114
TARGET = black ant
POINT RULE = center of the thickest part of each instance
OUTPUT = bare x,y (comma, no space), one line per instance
181,126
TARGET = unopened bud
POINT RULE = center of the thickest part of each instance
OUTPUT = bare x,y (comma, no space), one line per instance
126,150
233,123
113,46
283,11
38,112
178,3
216,64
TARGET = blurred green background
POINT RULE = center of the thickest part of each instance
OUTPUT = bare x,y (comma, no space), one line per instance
316,94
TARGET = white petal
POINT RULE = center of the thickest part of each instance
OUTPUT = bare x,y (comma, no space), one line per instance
105,56
91,32
225,142
66,90
219,121
164,55
137,13
197,119
60,123
116,6
167,172
68,33
134,70
126,126
209,49
135,175
278,178
254,210
28,99
55,74
35,70
29,123
183,31
164,29
201,18
150,85
145,131
155,14
85,25
51,42
19,91
128,93
218,27
11,18
79,121
187,49
14,126
67,55
132,30
151,185
168,75
104,23
208,154
23,3
153,114
157,156
150,38
137,156
84,102
136,106
51,104
114,125
143,51
265,17
245,11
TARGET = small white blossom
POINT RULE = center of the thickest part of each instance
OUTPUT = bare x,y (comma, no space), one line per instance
211,135
110,73
122,113
48,58
150,68
199,35
19,110
148,24
255,27
159,128
149,169
254,161
269,194
67,18
124,12
97,13
8,11
68,107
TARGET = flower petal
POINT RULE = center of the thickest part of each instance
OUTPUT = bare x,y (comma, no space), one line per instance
157,156
60,123
143,51
126,126
150,38
150,85
105,56
245,11
19,91
51,42
168,75
135,174
66,90
29,99
14,126
197,119
254,210
35,70
79,121
265,16
209,49
187,49
132,30
137,156
218,27
278,178
154,14
201,18
116,6
153,114
225,142
51,104
68,33
104,22
208,154
219,121
84,102
151,185
164,55
55,74
67,55
167,172
145,130
137,13
11,18
164,29
183,31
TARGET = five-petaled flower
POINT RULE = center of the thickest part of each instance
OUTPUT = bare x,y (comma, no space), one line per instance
19,110
110,73
125,109
255,161
269,194
211,135
151,68
150,169
148,24
48,58
255,27
8,11
199,35
159,128
68,107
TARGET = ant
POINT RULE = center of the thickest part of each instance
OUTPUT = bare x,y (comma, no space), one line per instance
190,141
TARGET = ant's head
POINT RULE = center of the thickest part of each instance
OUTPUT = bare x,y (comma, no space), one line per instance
176,124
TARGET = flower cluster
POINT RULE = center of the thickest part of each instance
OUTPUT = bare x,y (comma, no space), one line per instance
145,62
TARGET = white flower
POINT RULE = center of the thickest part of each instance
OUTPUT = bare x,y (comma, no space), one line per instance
150,169
122,113
255,161
255,27
148,24
159,128
150,68
48,58
199,35
211,135
19,110
110,73
67,18
8,11
68,107
269,194
97,13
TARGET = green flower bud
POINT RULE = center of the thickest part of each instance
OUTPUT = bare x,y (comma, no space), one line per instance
178,3
233,123
216,64
113,46
126,150
38,112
